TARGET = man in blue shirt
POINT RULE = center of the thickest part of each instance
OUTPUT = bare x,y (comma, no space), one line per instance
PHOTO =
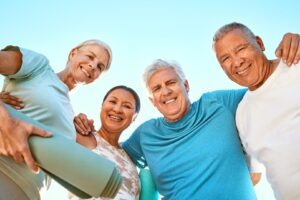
193,152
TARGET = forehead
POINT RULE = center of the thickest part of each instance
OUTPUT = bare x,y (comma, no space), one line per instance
122,95
162,75
231,40
98,50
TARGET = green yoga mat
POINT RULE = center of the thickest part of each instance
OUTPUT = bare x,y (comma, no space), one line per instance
148,188
76,168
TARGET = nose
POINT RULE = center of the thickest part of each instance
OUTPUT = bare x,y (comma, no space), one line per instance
237,61
166,90
93,65
117,108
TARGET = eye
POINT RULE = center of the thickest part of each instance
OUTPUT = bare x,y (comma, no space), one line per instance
224,59
155,89
90,57
112,101
172,82
128,106
241,49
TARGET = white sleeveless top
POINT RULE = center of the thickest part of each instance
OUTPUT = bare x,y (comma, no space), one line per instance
130,188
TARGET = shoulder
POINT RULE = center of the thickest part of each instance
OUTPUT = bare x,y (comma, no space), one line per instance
221,95
33,57
88,141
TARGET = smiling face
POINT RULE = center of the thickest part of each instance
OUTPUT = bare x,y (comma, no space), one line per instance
242,58
169,94
118,111
87,63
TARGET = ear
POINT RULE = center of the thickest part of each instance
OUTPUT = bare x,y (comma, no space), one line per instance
152,101
186,86
260,43
72,53
134,117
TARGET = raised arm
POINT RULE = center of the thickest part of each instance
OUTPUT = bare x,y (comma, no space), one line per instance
10,61
14,133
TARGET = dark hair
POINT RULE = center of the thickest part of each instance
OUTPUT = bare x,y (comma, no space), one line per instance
130,90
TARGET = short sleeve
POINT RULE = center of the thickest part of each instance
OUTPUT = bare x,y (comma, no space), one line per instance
133,149
229,98
253,165
32,64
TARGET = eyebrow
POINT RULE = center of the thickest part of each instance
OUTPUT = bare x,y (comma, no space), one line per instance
92,53
116,98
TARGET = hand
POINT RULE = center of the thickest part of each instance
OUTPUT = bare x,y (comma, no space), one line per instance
13,101
83,125
289,49
14,135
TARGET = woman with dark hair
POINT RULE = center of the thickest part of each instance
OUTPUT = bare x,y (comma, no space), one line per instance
120,107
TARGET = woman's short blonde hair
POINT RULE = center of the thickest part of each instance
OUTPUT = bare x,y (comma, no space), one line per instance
101,44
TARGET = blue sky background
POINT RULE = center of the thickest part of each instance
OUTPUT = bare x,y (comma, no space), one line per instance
139,32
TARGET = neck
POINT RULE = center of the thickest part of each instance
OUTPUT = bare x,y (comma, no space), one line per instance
268,70
67,79
111,138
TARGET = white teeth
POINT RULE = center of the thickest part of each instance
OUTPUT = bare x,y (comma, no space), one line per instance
169,101
116,118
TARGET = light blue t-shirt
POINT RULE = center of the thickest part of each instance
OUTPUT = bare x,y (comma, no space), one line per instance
46,100
45,96
198,157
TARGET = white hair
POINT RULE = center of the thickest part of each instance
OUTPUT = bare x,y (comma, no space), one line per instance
160,64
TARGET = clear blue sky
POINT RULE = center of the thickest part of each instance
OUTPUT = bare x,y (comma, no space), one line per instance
139,32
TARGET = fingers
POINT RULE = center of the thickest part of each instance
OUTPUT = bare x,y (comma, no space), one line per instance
13,101
30,161
18,157
81,123
289,49
297,57
40,132
91,124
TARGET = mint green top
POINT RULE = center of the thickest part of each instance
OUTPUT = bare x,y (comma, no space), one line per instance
46,100
45,96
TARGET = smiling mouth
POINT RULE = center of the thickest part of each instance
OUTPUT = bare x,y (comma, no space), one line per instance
85,72
115,118
243,71
169,101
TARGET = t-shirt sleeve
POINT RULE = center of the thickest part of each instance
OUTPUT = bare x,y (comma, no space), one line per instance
230,98
132,146
32,64
253,165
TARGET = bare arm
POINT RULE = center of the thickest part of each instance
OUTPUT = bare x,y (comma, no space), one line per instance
13,101
10,62
88,141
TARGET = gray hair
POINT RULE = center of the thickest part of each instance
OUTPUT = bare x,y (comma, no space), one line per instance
101,44
221,32
160,64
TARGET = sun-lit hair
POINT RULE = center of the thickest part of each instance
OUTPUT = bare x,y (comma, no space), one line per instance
130,90
160,64
221,32
101,44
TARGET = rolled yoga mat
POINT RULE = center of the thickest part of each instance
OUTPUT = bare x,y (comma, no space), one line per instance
148,188
76,168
